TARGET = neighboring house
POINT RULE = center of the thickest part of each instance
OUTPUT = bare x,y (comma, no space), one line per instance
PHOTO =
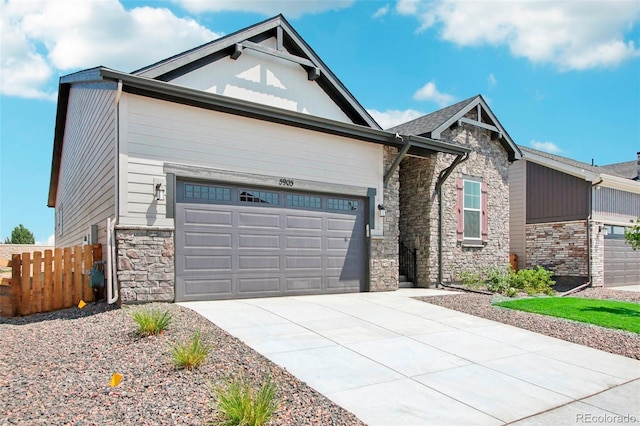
244,168
454,211
570,217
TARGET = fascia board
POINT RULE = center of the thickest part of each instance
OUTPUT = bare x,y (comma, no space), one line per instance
561,167
622,184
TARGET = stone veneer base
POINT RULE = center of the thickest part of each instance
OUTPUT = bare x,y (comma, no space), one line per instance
145,263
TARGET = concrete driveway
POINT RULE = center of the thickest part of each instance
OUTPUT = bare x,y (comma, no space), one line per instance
392,360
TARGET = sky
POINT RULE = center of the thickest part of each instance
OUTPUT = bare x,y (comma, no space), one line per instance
561,76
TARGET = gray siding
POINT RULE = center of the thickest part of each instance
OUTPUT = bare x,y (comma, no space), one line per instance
86,187
517,203
616,202
159,132
553,196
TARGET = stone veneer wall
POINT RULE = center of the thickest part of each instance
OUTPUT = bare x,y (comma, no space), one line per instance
416,196
384,250
145,259
561,247
419,222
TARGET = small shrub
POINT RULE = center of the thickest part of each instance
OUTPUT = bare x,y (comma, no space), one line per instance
190,354
240,404
533,281
151,321
473,280
498,280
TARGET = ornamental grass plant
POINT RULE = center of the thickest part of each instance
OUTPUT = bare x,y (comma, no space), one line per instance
240,404
151,321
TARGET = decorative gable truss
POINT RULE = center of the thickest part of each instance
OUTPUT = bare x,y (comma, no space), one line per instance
274,37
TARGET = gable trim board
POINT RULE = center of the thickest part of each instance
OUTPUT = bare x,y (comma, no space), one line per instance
287,39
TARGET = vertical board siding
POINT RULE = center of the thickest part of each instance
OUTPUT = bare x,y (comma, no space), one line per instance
86,187
616,202
553,196
160,132
517,237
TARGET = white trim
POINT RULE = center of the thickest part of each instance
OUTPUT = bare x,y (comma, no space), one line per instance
465,208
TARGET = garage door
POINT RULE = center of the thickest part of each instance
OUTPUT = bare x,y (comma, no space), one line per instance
621,262
238,242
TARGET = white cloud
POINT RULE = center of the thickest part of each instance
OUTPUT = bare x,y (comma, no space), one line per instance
393,117
429,92
572,35
407,7
546,147
492,80
381,12
290,8
43,38
50,241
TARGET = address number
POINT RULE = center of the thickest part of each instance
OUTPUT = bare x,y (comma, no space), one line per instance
286,182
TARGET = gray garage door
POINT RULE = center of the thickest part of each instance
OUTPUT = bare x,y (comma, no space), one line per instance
621,262
238,242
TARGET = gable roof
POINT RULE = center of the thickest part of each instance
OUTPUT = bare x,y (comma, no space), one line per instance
616,176
290,46
432,125
627,169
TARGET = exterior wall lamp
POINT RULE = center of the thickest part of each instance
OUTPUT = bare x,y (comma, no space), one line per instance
383,211
160,192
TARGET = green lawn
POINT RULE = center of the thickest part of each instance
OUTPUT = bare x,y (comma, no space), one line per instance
605,313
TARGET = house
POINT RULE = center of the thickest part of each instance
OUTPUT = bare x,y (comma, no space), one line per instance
454,210
245,168
570,216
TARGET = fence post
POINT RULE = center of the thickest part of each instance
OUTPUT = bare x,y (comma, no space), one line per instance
77,275
67,287
25,284
47,293
57,280
87,264
36,283
16,282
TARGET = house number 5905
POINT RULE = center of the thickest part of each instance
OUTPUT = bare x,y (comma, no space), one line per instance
286,182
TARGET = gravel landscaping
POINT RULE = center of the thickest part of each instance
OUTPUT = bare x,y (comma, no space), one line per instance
55,369
613,341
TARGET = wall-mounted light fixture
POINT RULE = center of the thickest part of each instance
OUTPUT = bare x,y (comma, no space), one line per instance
160,192
383,211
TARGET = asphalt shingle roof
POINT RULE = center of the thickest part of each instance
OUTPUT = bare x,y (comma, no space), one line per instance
627,169
428,123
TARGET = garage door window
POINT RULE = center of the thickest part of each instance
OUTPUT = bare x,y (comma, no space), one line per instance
612,231
341,204
304,201
264,197
206,192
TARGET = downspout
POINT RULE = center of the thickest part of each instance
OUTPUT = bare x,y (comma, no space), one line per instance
112,284
589,242
442,177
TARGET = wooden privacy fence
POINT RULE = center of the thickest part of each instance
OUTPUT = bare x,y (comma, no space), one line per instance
55,279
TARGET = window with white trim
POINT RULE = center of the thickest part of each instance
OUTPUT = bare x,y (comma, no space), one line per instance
472,206
472,196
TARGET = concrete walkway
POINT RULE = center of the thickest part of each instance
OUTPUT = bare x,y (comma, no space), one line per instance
392,360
